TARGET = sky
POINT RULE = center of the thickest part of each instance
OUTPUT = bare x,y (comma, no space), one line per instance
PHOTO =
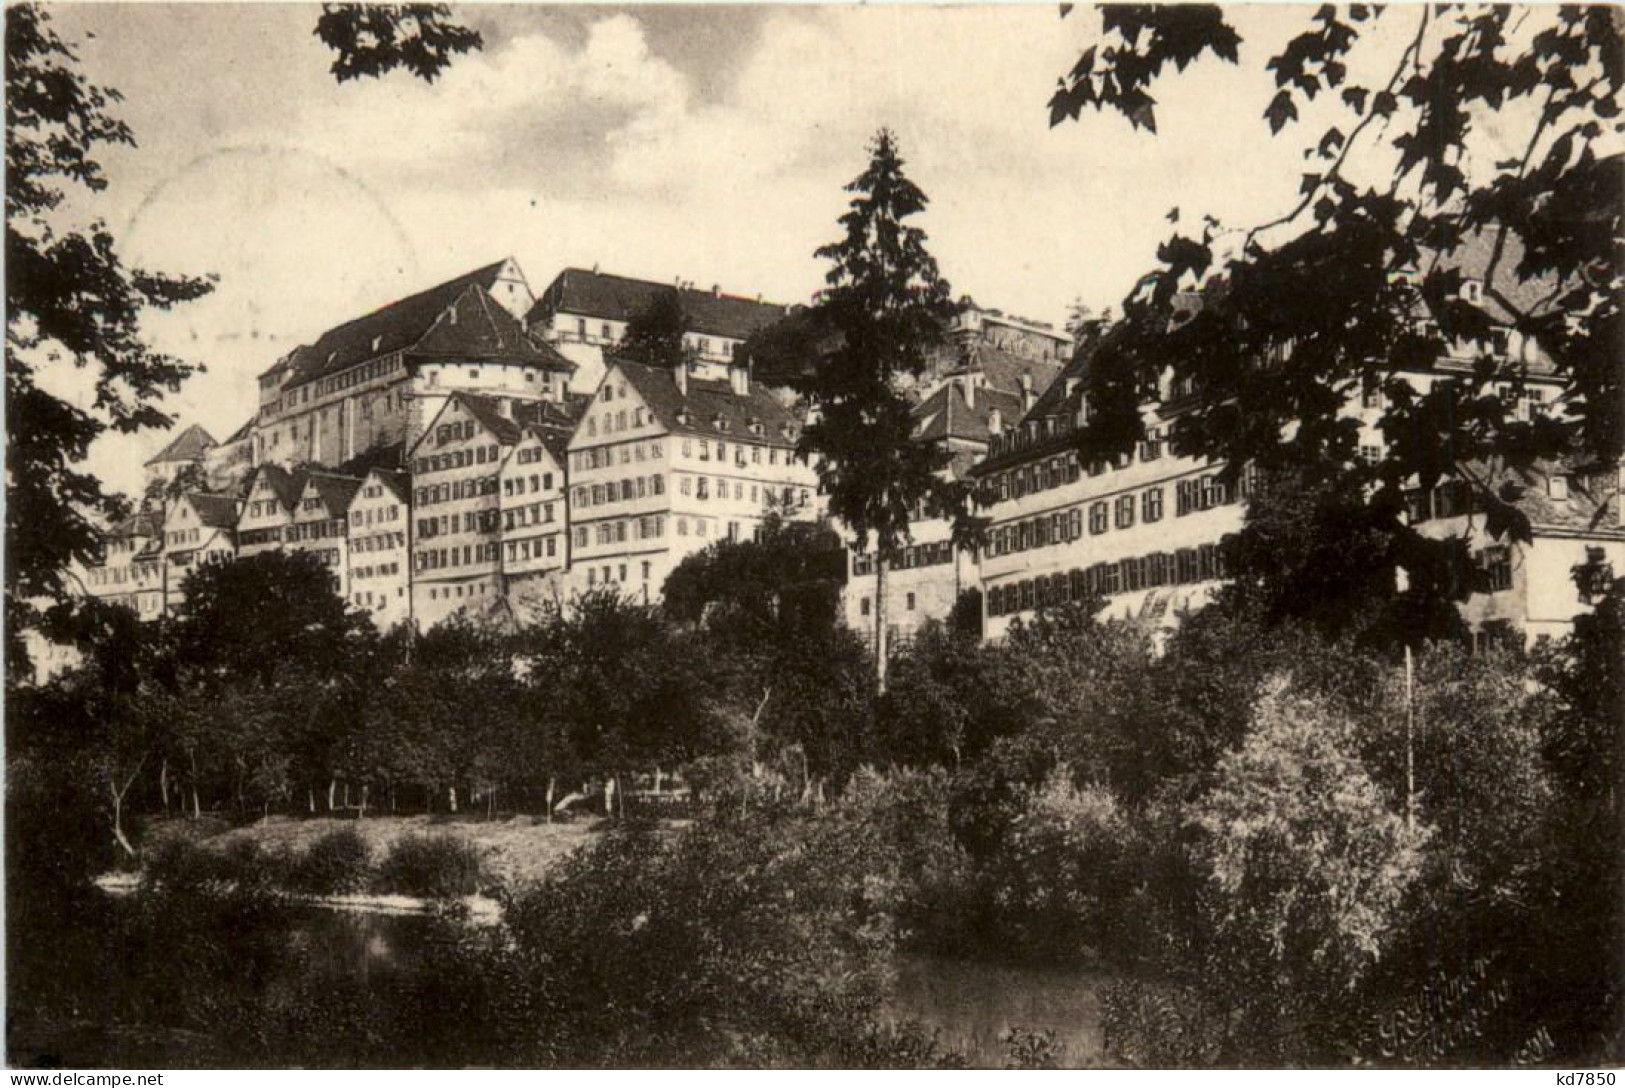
707,143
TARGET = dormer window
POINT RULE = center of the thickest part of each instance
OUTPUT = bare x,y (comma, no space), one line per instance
1557,487
1472,292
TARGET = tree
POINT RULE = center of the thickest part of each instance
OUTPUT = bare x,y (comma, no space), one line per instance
1295,922
266,615
69,299
376,39
887,307
655,335
1363,278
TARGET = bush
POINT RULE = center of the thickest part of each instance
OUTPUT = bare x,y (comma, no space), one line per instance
336,863
432,867
1060,881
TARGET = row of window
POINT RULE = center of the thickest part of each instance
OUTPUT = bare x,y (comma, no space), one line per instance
532,548
699,449
1183,567
603,574
912,556
515,486
540,513
1064,526
382,570
454,490
444,558
633,487
377,542
652,527
380,515
604,456
455,459
314,530
472,521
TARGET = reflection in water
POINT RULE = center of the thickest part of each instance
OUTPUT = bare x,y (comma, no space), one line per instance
969,1004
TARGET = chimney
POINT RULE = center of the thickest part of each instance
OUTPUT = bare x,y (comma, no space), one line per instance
680,374
595,268
739,378
1026,392
995,422
969,388
716,290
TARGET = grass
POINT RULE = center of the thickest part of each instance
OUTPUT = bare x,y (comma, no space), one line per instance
511,852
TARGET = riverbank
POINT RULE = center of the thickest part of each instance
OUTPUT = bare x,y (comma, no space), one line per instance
514,851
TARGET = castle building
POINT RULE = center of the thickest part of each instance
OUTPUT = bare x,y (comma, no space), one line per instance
584,313
665,462
376,380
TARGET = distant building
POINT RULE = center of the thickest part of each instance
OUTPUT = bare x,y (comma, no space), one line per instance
271,499
456,509
191,447
927,575
583,313
321,524
379,547
1575,515
227,465
198,530
665,462
376,380
535,506
131,572
1145,530
990,373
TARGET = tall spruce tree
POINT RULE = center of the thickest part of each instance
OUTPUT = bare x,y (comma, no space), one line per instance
886,307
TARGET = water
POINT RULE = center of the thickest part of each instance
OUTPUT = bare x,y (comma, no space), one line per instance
969,1004
972,1003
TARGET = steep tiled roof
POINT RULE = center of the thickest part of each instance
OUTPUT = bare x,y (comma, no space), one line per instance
1005,370
334,490
1472,259
489,412
621,298
490,416
148,523
1592,503
946,414
399,483
396,327
215,511
241,433
706,403
190,445
475,327
287,486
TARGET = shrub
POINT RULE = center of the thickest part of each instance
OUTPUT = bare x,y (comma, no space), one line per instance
431,866
1059,881
336,863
